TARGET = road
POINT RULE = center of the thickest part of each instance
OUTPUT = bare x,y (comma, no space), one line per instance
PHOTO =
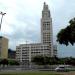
68,73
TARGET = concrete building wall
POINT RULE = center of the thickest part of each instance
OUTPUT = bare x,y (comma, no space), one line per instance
3,47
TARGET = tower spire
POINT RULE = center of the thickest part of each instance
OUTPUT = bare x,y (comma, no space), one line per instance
46,11
45,7
44,3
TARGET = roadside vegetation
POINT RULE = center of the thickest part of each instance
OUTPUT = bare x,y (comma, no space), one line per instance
43,60
8,62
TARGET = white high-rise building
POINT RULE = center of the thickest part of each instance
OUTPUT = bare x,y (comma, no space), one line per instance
46,28
25,52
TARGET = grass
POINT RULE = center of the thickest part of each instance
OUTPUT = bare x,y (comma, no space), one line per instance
30,73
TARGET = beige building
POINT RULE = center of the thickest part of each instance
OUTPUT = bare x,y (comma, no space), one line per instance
25,52
3,47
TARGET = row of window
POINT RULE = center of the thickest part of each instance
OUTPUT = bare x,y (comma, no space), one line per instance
46,27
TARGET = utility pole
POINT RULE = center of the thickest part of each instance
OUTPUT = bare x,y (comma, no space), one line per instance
2,14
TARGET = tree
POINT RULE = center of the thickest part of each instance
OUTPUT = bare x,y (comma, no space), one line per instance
44,60
53,60
4,62
67,35
13,62
39,60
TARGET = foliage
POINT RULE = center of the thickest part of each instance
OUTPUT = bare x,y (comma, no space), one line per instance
67,35
53,60
70,61
67,61
13,62
44,60
4,62
40,60
10,62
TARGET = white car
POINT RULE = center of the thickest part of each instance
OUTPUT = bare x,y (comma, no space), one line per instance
62,68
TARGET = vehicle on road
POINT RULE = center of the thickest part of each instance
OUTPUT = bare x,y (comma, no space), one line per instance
63,68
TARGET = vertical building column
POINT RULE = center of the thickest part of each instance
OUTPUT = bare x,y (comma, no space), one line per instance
29,56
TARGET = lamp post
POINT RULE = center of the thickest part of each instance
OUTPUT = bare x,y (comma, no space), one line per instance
1,18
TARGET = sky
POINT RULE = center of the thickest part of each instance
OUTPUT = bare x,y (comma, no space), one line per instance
21,22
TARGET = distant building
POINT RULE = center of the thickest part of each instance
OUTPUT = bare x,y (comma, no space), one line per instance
3,47
25,52
11,54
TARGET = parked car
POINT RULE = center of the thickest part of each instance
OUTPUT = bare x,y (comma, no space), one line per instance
63,68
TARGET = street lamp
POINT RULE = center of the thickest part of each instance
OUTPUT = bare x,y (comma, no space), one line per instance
1,18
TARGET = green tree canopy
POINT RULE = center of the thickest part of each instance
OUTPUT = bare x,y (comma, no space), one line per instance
67,35
44,60
4,62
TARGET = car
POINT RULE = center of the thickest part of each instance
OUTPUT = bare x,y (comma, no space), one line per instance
62,68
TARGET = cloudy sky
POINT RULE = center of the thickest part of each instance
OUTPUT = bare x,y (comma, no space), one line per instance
22,21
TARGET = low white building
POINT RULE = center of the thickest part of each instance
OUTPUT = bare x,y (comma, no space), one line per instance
25,52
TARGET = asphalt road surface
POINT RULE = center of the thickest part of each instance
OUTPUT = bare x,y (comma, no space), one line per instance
68,73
